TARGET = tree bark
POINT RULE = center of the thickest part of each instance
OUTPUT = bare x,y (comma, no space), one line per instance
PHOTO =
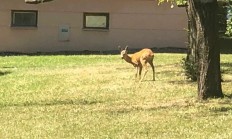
191,58
203,14
191,35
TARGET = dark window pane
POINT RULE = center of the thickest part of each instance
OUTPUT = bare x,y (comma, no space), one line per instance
24,18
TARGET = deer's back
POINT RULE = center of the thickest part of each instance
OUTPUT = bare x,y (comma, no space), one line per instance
145,53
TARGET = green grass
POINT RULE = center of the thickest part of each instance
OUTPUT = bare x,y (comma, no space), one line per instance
96,96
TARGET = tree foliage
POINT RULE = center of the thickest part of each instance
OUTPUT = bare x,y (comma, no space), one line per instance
177,2
228,4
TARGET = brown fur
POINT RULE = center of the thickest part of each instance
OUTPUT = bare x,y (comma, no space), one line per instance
140,60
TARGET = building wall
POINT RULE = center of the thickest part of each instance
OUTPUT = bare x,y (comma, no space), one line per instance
137,23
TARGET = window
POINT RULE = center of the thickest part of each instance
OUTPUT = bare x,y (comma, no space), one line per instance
96,21
21,18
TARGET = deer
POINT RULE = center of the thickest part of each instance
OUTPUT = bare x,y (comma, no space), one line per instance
139,60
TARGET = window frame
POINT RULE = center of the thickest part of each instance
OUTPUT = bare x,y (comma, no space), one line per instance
107,15
13,24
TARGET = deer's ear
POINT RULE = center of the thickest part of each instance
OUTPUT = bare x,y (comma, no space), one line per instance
126,47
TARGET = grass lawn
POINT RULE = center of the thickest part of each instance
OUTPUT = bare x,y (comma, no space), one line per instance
96,96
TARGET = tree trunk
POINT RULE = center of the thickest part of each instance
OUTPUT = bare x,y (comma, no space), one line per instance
191,35
203,14
191,58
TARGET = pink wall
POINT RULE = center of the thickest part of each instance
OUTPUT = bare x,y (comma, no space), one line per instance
137,23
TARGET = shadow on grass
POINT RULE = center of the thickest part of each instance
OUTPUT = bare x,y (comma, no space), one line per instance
223,106
52,103
181,82
152,108
218,110
226,81
221,109
226,64
228,67
229,96
168,65
2,73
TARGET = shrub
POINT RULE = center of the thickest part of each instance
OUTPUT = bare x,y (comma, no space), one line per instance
190,68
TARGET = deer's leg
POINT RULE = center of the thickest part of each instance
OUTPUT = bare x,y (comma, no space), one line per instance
153,69
144,65
140,71
136,71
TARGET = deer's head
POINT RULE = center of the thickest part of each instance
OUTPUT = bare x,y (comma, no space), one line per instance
123,51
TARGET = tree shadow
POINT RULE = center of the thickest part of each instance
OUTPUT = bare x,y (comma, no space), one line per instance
52,103
229,96
220,109
227,64
226,80
228,67
3,73
181,82
224,105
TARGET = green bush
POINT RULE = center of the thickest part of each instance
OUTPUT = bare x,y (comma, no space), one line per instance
190,68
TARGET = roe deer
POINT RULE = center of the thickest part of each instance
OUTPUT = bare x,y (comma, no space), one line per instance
139,60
